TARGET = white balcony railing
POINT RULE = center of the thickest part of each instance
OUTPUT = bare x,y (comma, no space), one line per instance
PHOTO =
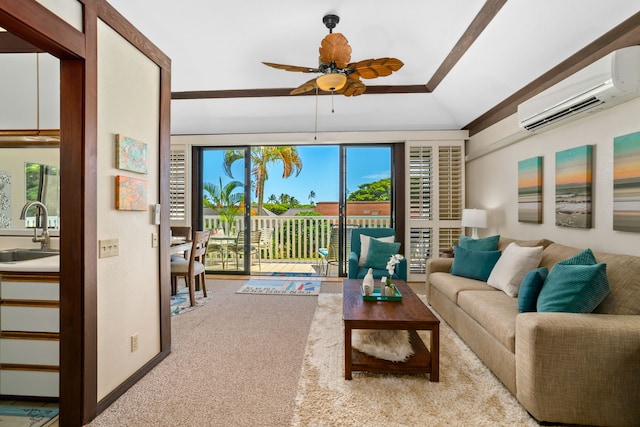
296,237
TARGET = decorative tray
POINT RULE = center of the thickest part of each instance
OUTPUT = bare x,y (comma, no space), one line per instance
375,296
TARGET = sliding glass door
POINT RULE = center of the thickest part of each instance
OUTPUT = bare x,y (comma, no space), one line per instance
223,206
366,192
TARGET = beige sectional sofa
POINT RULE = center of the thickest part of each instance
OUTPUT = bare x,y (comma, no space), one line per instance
562,367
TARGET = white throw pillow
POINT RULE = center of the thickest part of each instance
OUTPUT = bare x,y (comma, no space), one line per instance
514,263
364,246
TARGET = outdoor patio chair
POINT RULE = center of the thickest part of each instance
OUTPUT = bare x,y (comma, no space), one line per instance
254,245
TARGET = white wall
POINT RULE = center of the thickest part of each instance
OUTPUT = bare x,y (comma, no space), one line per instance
128,284
492,180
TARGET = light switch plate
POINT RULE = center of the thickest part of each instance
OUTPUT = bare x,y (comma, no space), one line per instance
108,248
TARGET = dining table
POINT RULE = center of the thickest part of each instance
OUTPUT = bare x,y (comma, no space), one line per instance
224,241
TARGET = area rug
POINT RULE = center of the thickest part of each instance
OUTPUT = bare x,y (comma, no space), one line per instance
467,394
281,287
31,415
180,302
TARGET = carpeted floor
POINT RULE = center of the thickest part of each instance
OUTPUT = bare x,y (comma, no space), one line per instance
247,360
467,394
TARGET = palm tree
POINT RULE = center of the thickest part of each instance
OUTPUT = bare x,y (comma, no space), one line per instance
223,200
261,159
312,195
272,199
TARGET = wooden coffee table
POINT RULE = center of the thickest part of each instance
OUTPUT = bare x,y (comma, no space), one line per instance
409,314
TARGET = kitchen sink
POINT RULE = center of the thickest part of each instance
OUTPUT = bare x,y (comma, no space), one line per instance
16,255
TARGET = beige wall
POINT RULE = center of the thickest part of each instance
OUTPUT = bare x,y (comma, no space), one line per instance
128,294
491,180
69,10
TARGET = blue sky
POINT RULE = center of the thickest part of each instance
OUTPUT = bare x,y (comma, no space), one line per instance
319,171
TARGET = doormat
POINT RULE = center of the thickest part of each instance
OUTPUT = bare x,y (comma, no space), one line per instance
292,274
26,415
180,302
279,287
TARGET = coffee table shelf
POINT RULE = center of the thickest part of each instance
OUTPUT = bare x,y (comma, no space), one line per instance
418,363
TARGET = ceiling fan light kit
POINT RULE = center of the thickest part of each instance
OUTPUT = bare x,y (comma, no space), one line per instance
331,82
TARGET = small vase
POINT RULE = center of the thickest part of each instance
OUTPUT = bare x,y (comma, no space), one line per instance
389,291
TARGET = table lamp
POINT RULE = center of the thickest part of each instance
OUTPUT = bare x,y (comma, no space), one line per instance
475,218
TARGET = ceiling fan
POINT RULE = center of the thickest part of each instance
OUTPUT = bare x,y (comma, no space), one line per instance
338,74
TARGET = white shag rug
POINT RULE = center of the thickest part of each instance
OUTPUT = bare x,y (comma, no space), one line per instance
383,344
468,394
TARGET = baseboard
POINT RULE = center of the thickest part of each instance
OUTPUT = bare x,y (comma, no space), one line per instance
129,382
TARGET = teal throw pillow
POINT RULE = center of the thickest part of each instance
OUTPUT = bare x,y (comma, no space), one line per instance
473,264
574,285
530,288
586,257
483,244
379,253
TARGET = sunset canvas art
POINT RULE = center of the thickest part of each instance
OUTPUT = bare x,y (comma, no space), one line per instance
530,190
131,194
573,187
626,182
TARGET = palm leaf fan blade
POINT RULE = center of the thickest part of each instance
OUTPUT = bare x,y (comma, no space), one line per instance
353,87
335,48
304,87
372,68
294,68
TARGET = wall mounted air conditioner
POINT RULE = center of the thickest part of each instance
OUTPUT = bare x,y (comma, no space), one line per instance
603,84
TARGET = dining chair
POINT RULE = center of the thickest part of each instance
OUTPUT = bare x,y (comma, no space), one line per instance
192,267
266,245
180,231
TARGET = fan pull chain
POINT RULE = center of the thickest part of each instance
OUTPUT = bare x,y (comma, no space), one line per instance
332,110
315,129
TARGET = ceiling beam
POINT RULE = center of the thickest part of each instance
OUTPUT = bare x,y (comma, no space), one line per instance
624,35
477,26
260,93
10,43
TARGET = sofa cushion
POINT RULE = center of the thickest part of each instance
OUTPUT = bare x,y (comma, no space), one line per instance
451,286
380,253
574,285
513,264
496,312
530,288
364,246
473,264
482,244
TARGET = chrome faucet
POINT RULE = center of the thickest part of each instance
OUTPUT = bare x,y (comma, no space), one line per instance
44,238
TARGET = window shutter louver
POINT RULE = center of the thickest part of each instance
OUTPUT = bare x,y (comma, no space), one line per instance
436,199
177,185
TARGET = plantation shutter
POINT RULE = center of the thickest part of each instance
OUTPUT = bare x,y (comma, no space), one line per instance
435,179
177,185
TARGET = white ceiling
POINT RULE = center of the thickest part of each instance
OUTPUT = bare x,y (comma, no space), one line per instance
215,45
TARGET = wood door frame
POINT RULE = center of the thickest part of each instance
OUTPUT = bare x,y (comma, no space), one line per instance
77,52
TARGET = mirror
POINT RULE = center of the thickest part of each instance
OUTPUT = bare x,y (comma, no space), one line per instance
18,186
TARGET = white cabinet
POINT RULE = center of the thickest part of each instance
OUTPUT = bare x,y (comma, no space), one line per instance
49,86
18,91
29,334
29,91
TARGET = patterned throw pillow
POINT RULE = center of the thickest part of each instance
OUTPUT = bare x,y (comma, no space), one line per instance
574,285
483,244
473,264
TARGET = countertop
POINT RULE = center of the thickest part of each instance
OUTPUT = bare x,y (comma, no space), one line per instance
43,265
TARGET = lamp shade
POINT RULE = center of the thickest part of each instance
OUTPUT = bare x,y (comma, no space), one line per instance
331,82
475,218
